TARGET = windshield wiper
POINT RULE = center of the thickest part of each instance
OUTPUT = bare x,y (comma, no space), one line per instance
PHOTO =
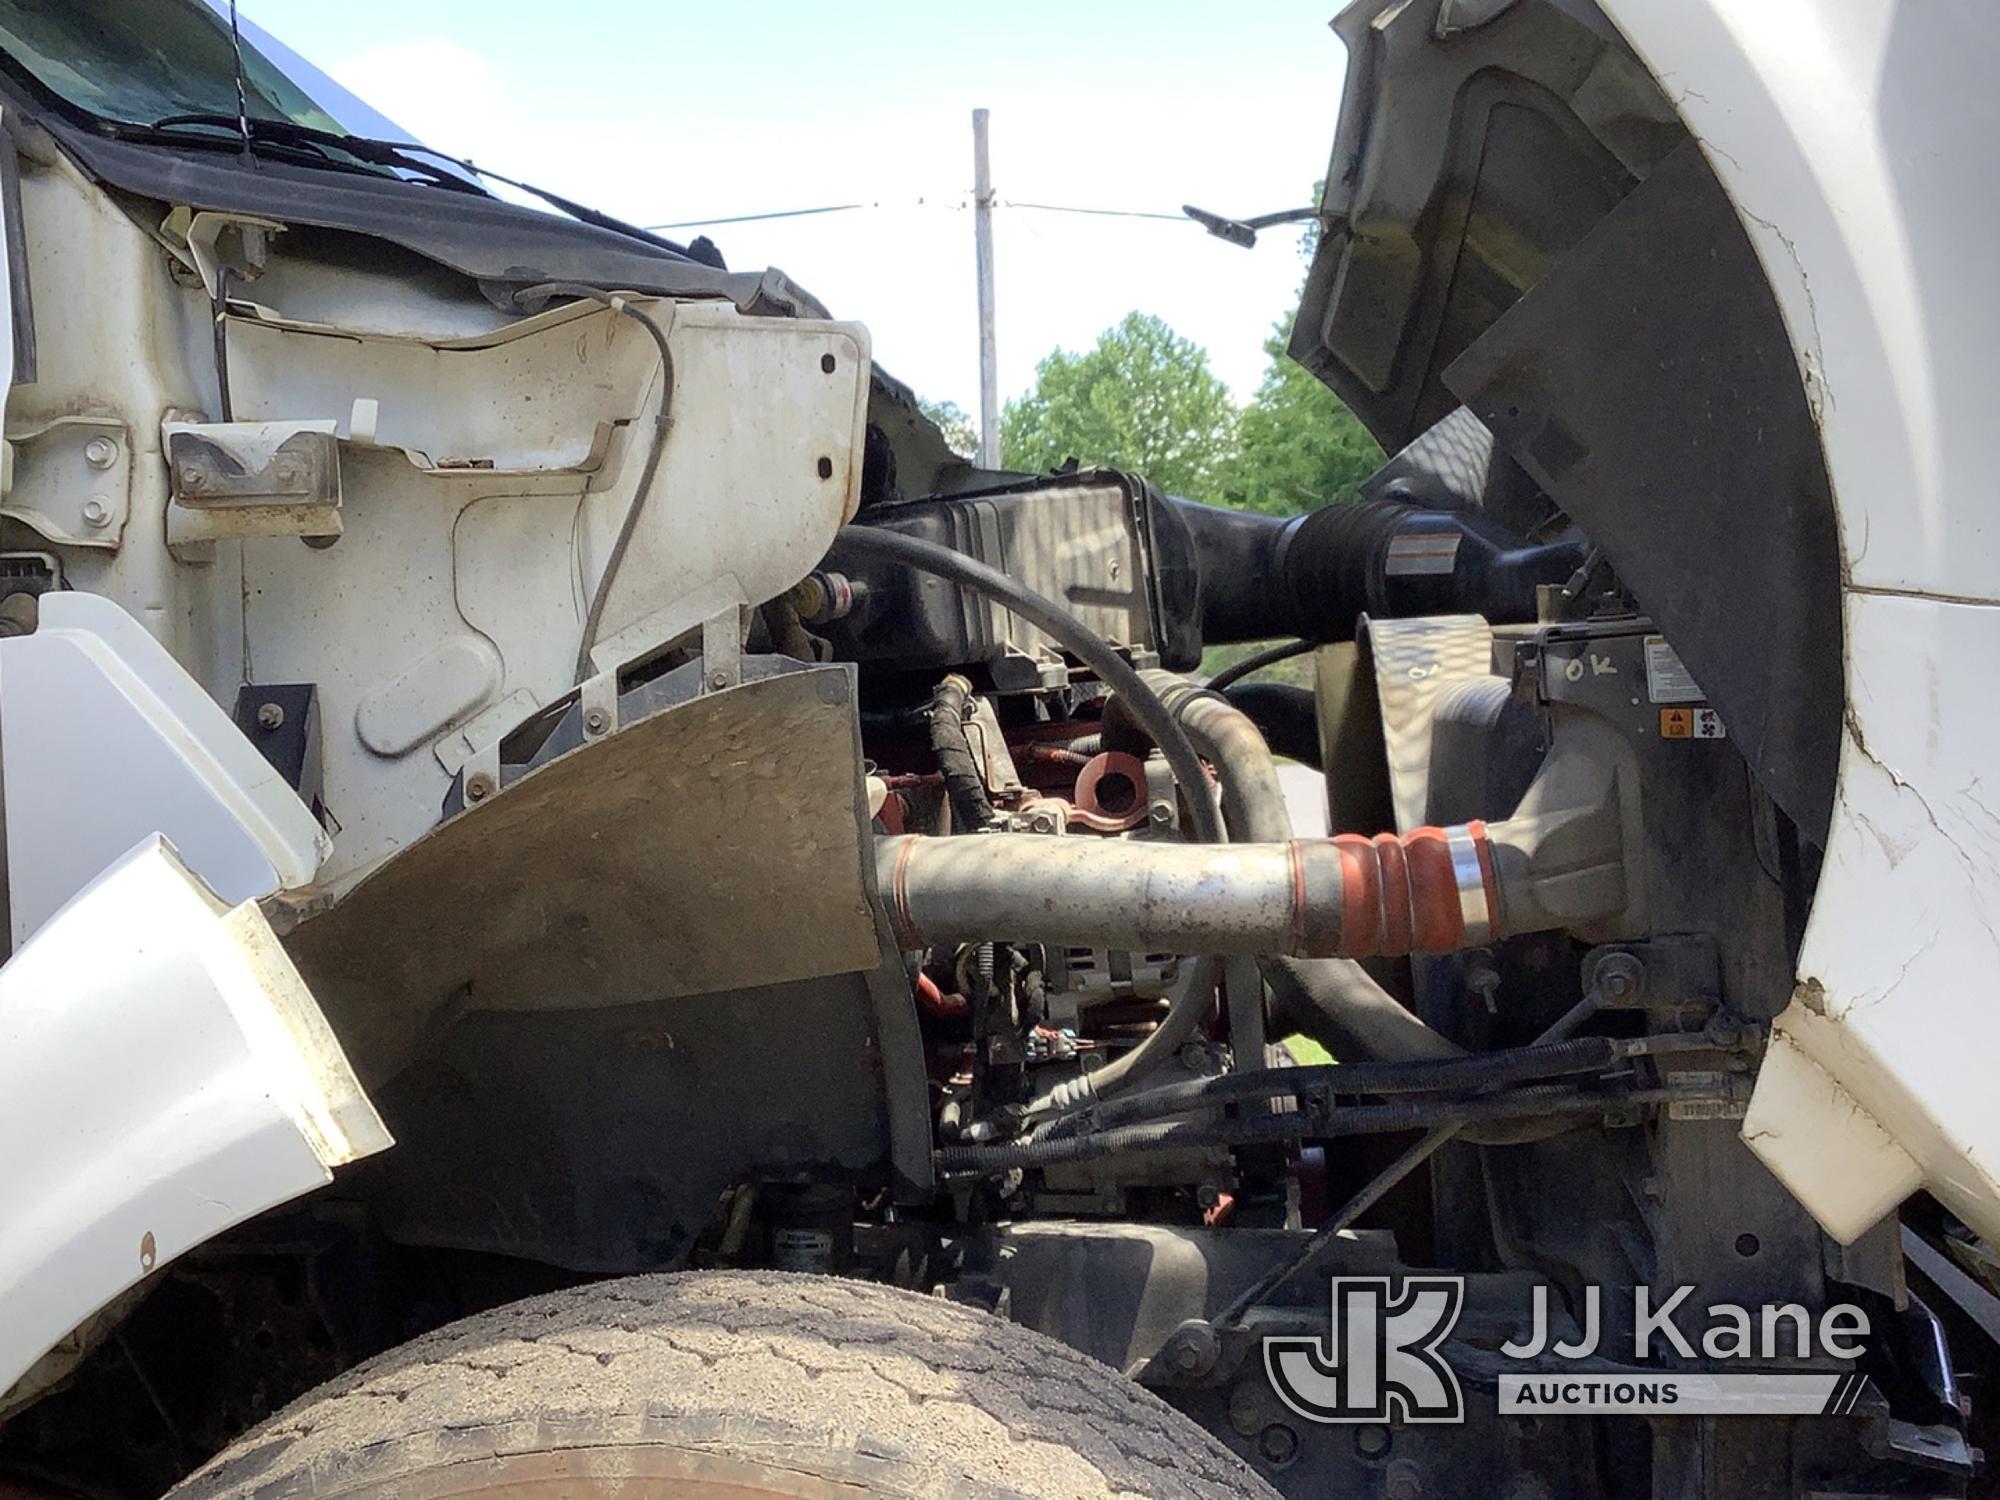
409,155
293,140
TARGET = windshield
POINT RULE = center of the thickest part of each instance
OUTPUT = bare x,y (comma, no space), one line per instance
138,61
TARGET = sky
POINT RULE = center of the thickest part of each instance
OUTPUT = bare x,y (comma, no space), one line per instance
663,112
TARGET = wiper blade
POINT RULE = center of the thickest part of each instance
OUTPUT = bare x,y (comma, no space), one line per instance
194,128
304,153
406,154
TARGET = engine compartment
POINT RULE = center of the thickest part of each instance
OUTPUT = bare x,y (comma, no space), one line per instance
882,891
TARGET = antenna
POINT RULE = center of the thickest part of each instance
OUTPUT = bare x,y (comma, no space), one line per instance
242,93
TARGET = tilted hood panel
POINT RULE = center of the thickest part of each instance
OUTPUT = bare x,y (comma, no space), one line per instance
1469,157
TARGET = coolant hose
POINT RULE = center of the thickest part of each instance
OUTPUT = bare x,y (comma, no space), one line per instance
1287,716
1357,1018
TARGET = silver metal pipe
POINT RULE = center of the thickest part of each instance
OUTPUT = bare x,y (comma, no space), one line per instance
1333,1000
1109,893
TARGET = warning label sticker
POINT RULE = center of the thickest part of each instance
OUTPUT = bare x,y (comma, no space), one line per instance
1667,679
1704,1109
1691,724
1421,552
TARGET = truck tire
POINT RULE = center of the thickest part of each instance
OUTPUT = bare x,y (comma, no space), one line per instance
727,1385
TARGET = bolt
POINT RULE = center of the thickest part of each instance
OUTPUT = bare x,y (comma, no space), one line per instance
1405,1482
1484,980
100,453
478,787
1278,1445
193,478
1620,977
288,473
1161,814
1246,1408
270,715
1193,1349
96,512
1371,1441
595,721
718,678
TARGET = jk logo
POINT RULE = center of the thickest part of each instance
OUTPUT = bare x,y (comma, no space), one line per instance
1382,1358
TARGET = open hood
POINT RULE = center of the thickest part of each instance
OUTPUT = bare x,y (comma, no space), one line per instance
1477,143
1532,288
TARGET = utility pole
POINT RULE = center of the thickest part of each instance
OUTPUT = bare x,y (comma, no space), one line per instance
982,238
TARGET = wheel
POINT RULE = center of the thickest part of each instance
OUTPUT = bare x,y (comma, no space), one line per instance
726,1385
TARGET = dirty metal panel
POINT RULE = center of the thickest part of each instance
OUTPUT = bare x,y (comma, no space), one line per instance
712,846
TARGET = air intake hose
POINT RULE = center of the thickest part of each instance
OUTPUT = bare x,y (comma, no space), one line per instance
1264,577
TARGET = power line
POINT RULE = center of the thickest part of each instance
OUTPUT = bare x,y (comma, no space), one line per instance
783,213
1108,213
957,205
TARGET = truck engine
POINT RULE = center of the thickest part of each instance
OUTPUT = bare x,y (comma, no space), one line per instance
725,832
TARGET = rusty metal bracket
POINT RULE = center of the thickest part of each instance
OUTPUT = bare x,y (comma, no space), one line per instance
228,480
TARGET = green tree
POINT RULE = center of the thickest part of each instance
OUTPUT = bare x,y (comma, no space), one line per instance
1142,399
961,433
1299,447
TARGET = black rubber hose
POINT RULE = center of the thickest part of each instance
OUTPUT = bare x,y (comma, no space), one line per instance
1256,661
1194,995
1162,1136
1350,1120
1333,1000
1338,1004
971,808
1431,1075
1287,715
1310,576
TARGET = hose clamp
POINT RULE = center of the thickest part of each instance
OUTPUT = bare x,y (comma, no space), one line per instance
1468,871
